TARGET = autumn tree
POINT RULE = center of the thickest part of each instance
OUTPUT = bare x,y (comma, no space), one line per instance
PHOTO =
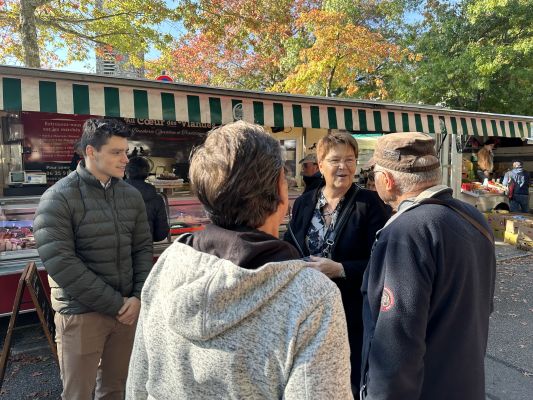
236,43
260,44
33,31
477,55
341,55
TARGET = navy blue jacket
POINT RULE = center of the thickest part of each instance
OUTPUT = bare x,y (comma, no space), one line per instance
312,182
428,293
352,250
155,209
521,178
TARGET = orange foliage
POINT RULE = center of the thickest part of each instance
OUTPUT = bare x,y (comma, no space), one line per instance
340,53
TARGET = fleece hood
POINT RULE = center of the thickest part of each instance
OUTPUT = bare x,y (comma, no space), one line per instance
206,295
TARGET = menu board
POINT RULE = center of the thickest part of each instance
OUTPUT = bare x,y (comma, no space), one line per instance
51,137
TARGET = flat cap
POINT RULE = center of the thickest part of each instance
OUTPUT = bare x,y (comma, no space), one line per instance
399,152
309,158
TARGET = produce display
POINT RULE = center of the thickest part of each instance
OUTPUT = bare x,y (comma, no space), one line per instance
167,176
480,189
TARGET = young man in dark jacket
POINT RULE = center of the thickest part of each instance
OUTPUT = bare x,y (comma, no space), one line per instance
93,238
428,289
137,171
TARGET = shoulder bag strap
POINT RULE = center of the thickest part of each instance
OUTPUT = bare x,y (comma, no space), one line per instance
341,221
467,217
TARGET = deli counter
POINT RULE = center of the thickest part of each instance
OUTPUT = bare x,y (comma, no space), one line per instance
17,244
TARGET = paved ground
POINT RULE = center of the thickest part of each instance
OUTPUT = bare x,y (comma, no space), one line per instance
33,374
509,361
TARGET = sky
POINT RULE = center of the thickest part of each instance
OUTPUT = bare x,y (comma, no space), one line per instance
89,65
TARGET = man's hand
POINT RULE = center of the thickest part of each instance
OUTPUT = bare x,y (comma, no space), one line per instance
129,312
328,267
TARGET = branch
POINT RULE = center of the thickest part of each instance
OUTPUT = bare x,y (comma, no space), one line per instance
40,3
226,13
12,19
93,38
86,20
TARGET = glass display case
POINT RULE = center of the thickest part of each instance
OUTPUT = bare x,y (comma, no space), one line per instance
17,244
185,215
17,249
16,228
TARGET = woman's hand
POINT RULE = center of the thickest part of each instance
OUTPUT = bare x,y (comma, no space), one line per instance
330,268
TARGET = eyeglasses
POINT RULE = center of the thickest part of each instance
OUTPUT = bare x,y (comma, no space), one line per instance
376,174
347,162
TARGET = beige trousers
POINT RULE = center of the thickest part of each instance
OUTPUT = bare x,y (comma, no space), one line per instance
93,350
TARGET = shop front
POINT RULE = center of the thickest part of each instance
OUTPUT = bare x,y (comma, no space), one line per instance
42,113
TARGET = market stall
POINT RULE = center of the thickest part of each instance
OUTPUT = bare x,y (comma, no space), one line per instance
42,112
488,196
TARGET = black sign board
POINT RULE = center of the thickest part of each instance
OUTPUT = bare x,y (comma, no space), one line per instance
30,280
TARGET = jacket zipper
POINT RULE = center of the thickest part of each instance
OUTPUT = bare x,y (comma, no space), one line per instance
117,233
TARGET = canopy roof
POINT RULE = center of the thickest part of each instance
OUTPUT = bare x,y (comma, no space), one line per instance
25,89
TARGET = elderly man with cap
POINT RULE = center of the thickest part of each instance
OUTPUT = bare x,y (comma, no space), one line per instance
428,289
310,172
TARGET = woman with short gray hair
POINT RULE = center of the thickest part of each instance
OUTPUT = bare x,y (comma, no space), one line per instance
227,312
236,173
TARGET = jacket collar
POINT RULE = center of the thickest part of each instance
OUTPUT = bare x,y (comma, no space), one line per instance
89,178
244,246
307,209
434,191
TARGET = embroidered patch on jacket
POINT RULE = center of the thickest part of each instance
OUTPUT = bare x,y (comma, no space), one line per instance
387,299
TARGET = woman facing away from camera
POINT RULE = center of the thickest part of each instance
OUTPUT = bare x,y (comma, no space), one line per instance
336,225
228,312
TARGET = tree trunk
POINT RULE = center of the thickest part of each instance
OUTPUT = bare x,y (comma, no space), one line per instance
330,81
28,33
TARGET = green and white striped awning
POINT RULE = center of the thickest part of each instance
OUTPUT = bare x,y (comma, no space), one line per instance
25,89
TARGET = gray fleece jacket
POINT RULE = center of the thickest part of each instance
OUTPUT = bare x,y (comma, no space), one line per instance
209,329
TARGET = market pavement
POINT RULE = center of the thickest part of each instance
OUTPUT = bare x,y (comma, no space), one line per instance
33,374
509,360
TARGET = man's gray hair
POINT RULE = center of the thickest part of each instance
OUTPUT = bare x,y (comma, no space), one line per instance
235,175
407,182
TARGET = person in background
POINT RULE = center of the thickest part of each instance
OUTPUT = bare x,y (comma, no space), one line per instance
371,185
137,171
343,213
485,160
76,157
93,238
427,298
519,201
370,181
228,312
134,153
310,172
